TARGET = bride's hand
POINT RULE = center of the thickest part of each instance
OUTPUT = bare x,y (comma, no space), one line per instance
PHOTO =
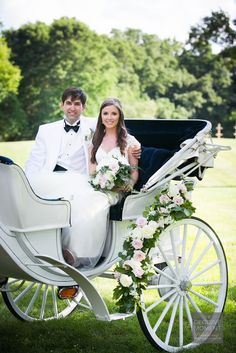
128,187
125,188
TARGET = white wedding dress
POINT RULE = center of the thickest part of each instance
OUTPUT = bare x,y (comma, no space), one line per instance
89,208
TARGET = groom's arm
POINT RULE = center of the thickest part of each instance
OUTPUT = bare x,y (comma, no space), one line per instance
135,148
37,155
136,151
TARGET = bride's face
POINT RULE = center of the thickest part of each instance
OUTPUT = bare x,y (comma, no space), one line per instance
110,116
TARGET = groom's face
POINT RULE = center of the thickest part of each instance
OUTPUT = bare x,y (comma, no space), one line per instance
72,109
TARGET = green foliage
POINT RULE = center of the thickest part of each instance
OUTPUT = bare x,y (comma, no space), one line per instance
215,28
215,74
9,74
152,77
12,119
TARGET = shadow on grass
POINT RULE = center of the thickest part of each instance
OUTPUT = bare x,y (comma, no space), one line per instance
80,332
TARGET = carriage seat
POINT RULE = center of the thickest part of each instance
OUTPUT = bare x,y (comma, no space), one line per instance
21,210
151,160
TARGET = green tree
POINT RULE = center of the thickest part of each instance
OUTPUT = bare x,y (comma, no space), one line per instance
214,73
54,57
153,77
10,75
10,110
13,120
212,29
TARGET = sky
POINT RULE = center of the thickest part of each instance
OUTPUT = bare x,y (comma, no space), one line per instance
165,18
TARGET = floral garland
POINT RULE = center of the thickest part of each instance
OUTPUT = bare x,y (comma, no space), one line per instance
135,268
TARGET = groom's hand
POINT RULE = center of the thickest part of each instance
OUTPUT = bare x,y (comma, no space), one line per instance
136,151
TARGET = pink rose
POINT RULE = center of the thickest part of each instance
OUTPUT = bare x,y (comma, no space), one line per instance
163,210
141,222
178,200
117,275
139,255
164,199
138,272
137,243
102,181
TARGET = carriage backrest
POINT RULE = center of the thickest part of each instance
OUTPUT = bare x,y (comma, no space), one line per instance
21,209
160,139
164,133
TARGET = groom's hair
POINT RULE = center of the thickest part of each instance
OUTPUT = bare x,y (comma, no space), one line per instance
74,93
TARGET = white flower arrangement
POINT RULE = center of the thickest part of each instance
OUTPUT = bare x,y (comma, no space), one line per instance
136,267
112,173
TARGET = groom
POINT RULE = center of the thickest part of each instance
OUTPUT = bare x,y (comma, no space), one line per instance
62,146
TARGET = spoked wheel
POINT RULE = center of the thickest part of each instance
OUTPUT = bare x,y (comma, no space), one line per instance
183,303
31,301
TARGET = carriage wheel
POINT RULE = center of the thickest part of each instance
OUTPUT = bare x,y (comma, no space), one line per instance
183,303
31,301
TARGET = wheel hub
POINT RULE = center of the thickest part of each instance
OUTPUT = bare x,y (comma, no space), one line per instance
185,285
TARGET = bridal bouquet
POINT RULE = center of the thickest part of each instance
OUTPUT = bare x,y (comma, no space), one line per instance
112,174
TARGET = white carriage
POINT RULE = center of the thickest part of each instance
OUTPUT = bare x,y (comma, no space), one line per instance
194,276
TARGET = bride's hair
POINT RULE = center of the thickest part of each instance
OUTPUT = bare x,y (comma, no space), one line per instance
100,129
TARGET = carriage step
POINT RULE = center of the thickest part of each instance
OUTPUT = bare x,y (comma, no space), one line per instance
98,304
120,316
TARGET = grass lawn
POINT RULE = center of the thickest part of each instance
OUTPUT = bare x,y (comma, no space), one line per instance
215,201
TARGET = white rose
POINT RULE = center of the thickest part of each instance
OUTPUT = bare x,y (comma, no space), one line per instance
149,230
110,176
132,263
125,280
137,233
96,180
173,190
182,188
153,224
114,166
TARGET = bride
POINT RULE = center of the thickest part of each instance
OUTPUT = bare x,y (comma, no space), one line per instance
110,140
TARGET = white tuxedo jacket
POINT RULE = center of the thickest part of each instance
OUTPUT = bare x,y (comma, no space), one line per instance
45,152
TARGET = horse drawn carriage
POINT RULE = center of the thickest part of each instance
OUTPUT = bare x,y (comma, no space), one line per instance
190,278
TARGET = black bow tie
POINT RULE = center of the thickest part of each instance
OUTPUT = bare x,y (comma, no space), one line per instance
69,127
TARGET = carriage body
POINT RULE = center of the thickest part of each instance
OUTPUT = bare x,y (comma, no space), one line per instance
30,238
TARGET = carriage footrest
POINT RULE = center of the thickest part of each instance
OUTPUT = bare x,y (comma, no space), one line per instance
121,316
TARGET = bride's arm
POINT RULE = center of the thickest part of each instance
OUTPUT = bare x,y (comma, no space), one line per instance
92,166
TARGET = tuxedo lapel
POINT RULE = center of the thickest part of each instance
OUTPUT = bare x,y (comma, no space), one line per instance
54,139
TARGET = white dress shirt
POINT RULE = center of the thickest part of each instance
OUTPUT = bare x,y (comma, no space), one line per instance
71,155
